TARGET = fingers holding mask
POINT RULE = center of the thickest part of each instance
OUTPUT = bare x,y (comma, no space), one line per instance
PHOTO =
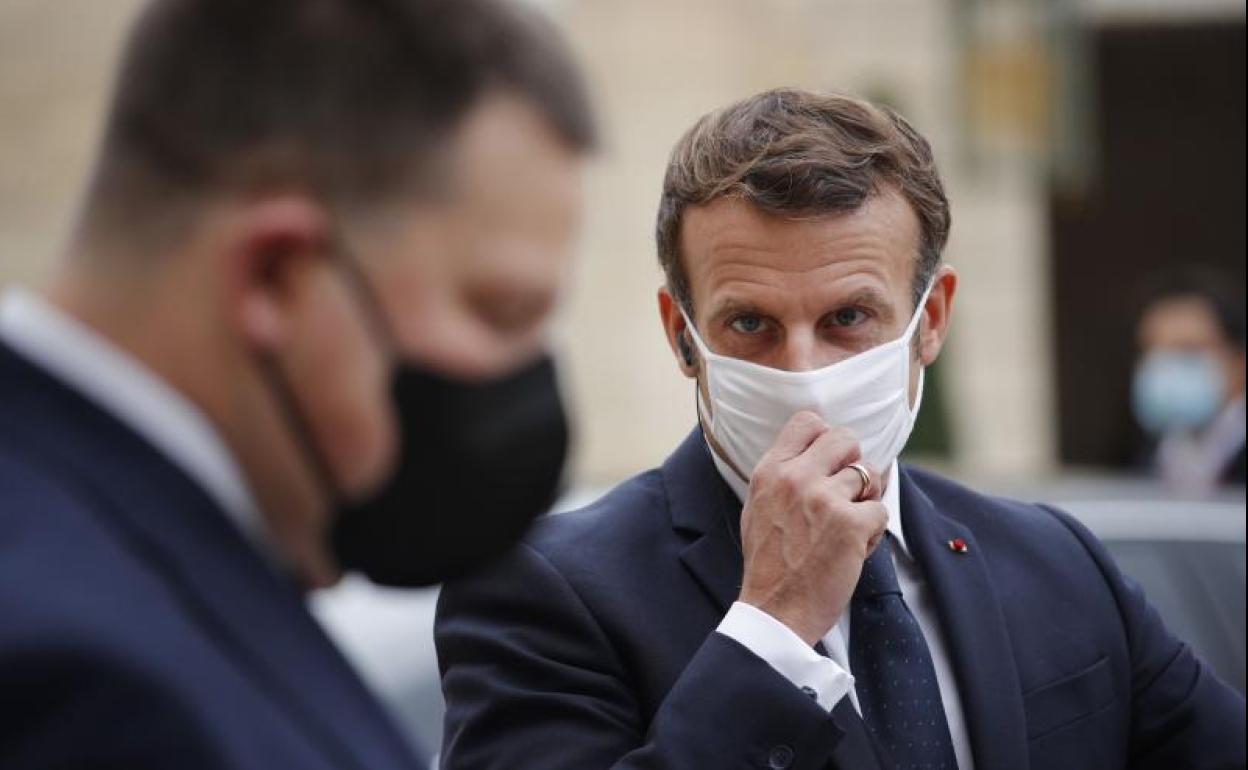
832,450
860,484
797,436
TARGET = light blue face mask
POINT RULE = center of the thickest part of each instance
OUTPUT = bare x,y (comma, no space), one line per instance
1176,391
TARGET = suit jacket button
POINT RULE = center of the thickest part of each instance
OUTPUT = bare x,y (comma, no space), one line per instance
780,758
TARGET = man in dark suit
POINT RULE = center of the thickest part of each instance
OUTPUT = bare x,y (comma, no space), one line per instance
322,238
781,593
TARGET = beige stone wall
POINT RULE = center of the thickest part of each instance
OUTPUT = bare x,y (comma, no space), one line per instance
656,65
55,63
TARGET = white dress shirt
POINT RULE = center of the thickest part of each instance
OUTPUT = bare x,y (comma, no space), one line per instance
1194,462
121,385
830,678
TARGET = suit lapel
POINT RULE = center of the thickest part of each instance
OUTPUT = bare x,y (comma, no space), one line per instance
974,626
705,510
257,617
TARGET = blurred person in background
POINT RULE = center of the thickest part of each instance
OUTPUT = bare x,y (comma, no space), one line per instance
1187,392
780,593
299,328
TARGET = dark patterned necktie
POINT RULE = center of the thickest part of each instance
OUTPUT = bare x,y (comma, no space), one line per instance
893,672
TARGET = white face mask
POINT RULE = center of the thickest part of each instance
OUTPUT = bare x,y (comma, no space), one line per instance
867,393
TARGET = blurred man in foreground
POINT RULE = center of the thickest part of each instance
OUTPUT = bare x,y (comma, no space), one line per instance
299,326
781,593
1188,388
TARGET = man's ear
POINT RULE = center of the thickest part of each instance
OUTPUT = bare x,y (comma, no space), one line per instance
269,247
677,335
937,313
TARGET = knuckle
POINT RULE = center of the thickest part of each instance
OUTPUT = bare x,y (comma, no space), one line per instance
845,435
786,479
764,474
817,501
834,502
763,471
806,419
845,486
848,443
877,514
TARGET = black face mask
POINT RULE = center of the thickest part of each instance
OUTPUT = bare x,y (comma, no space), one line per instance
477,463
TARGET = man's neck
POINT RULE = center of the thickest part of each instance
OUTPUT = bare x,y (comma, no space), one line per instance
162,327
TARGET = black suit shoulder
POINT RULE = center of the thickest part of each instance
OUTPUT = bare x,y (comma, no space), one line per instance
138,626
1061,592
990,514
70,658
629,518
51,541
1018,536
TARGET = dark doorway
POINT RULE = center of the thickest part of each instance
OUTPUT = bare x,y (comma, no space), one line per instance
1167,191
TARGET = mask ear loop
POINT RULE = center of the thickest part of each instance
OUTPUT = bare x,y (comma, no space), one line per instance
354,272
705,421
704,417
703,350
298,424
911,335
916,320
918,396
284,394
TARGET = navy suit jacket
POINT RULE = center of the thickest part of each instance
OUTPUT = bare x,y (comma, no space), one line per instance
593,646
138,629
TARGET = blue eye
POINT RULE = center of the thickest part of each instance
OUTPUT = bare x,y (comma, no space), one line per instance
747,324
849,316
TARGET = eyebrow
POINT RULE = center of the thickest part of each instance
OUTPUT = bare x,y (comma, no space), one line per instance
733,306
867,297
873,299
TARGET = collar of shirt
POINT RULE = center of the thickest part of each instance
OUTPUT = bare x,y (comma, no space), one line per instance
891,498
1197,461
118,383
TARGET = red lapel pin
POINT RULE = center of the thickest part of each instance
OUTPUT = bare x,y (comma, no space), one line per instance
958,545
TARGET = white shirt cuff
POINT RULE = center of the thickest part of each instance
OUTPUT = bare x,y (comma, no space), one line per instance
816,675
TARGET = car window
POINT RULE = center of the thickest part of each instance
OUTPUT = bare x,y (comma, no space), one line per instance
1198,587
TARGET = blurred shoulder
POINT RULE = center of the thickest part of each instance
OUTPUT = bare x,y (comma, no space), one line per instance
622,544
629,520
65,574
38,509
85,638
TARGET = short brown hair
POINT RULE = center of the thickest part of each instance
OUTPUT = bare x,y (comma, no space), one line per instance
349,99
795,152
